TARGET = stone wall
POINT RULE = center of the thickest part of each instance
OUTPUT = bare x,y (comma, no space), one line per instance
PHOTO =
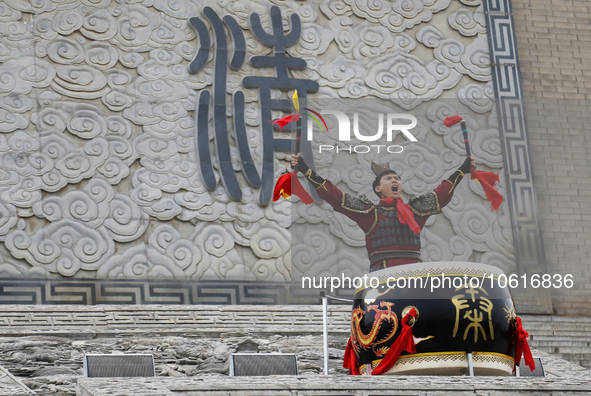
44,345
99,138
554,44
115,165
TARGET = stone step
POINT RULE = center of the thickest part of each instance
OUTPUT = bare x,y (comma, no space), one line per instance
580,362
557,343
539,337
546,333
537,340
547,349
566,352
572,356
576,350
564,333
581,359
558,326
557,319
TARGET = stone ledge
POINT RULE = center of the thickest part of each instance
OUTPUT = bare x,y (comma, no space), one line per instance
19,319
332,385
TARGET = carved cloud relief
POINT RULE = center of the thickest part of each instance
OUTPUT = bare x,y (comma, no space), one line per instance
99,171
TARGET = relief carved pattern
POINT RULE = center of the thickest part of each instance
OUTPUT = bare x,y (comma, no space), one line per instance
98,161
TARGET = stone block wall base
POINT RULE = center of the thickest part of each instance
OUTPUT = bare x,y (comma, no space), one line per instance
333,386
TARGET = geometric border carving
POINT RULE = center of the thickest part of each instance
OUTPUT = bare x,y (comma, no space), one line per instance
519,178
130,292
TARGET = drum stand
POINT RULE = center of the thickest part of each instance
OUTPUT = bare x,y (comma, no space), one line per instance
470,364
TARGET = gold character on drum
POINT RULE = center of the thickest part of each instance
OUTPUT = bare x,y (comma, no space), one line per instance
473,309
475,318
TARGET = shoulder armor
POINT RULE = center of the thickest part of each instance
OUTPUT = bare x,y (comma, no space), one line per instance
425,205
357,205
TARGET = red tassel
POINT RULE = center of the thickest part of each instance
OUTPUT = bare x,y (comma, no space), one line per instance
288,184
282,187
299,190
488,180
451,121
286,120
350,361
522,346
404,342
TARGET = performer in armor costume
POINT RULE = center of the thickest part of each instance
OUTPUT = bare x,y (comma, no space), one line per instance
392,228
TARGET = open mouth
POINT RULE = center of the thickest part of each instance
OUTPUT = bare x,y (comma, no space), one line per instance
395,189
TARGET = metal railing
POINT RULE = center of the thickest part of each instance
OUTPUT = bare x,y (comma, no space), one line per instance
325,298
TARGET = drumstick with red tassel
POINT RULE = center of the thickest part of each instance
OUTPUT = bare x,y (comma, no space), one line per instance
488,180
289,182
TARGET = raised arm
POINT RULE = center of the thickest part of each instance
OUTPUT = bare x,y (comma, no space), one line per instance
360,211
432,203
445,190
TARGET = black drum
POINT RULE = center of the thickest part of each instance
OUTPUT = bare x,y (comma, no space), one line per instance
461,308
